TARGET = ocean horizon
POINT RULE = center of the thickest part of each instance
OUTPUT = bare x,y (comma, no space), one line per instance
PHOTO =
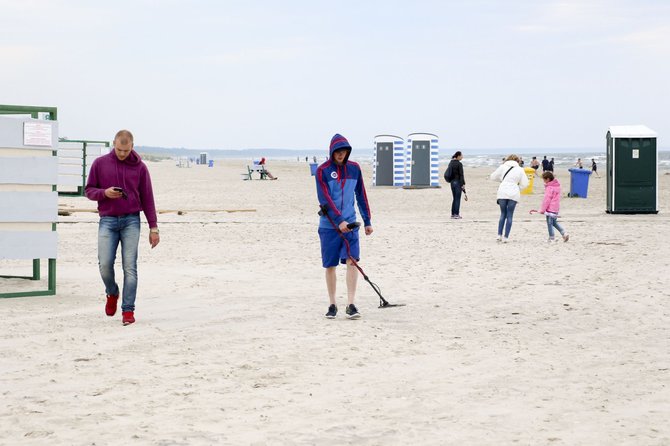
471,157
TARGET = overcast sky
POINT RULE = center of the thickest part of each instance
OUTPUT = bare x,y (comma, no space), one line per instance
288,74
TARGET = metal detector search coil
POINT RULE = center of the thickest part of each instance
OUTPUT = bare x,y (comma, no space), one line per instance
383,303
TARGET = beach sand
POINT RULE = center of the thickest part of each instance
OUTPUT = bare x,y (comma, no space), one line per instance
520,343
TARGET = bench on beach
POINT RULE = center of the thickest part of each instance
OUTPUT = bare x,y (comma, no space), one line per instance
255,168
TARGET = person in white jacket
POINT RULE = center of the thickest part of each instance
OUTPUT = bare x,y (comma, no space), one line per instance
512,179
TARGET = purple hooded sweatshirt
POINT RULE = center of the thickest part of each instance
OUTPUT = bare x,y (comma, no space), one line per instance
130,174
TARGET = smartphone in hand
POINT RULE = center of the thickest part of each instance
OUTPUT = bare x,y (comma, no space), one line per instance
123,193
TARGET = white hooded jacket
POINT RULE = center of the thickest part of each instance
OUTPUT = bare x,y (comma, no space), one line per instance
514,181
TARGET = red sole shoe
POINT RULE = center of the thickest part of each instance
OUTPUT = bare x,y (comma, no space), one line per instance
128,317
110,306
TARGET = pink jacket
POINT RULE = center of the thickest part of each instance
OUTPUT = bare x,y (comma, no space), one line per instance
552,197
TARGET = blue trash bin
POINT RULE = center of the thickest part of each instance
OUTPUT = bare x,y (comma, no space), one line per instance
579,182
312,168
211,163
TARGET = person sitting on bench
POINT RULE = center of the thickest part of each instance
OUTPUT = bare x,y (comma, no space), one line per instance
267,172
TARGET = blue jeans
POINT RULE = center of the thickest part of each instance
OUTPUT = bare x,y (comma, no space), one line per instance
506,215
456,191
552,222
111,231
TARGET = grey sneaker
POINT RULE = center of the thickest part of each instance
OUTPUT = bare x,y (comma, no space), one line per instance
352,312
332,312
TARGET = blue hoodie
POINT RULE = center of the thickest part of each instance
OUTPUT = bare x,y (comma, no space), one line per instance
337,185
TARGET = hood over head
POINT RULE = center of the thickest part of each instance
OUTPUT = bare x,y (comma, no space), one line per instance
339,142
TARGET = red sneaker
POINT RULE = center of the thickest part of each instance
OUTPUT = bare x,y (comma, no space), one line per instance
110,307
128,317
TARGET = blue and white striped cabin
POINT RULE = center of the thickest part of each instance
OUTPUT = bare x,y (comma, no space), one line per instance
388,161
422,160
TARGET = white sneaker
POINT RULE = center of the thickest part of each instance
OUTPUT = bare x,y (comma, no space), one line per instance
566,237
499,238
551,240
505,240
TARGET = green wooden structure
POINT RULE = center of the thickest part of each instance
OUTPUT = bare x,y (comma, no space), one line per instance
35,112
632,170
28,197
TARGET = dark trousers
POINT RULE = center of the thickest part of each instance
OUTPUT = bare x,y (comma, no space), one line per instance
456,192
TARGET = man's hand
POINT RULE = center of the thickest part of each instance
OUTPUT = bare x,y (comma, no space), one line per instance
154,239
111,193
368,230
343,227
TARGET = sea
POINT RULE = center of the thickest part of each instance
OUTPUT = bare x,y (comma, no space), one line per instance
488,158
492,158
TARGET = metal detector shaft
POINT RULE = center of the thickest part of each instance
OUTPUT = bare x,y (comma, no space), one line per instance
383,303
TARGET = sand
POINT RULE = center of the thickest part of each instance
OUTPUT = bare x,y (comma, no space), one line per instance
524,343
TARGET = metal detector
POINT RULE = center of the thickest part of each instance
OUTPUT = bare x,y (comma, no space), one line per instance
383,303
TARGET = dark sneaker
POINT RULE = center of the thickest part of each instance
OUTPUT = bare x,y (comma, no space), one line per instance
128,317
110,306
332,312
352,312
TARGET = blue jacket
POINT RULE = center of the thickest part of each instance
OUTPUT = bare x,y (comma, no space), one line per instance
336,187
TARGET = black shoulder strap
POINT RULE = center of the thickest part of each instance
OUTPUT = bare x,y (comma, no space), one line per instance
507,172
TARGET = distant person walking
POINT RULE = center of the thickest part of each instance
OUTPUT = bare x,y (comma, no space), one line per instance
512,179
551,166
455,177
594,167
579,163
545,164
521,163
121,185
551,205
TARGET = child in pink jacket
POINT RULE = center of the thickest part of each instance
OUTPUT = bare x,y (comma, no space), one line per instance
551,204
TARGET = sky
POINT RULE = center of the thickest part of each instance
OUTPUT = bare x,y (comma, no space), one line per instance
289,74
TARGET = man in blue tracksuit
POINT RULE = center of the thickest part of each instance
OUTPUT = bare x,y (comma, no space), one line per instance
338,182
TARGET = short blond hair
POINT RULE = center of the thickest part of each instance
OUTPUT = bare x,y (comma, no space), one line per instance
124,137
512,157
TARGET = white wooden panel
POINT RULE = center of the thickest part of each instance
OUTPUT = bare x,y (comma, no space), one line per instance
28,245
68,188
28,206
70,180
31,170
26,187
70,153
70,169
70,161
70,145
11,133
25,227
97,150
24,152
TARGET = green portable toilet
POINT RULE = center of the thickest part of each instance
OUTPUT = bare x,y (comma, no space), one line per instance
632,170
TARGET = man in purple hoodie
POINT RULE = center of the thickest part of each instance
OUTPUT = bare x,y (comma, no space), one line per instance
121,185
